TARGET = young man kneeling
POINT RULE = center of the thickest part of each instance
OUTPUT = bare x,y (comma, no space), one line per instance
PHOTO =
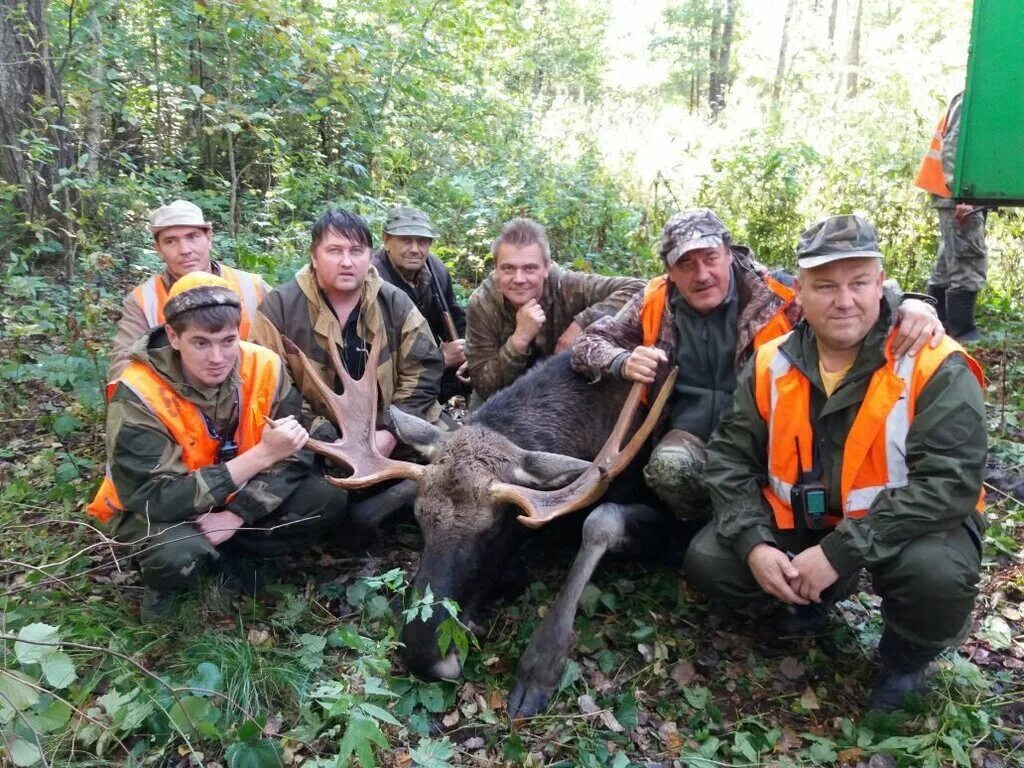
204,447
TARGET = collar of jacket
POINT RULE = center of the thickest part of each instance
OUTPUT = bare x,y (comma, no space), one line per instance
325,322
169,281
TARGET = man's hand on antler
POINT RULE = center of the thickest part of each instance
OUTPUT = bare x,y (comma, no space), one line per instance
385,442
282,439
642,364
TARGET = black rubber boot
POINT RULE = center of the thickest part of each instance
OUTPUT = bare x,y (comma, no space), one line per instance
960,315
938,292
904,670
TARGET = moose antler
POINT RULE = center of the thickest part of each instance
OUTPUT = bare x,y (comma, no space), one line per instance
355,414
542,507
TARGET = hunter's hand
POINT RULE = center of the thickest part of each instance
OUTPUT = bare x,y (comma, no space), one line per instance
642,364
816,574
385,442
282,439
961,212
454,353
218,527
917,324
774,572
530,319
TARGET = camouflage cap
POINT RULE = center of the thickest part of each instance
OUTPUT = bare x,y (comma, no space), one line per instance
197,290
408,222
695,228
837,237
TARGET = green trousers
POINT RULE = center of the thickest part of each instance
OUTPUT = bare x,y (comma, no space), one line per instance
927,591
174,555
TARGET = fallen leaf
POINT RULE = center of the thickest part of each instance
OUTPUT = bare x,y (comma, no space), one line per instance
1012,613
668,735
646,652
610,722
401,759
791,668
274,723
496,700
788,742
587,705
851,755
474,742
986,758
882,760
809,700
683,672
258,636
451,718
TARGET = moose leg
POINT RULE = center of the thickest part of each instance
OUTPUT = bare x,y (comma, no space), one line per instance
609,528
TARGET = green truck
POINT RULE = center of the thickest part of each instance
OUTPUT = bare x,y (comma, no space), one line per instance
990,155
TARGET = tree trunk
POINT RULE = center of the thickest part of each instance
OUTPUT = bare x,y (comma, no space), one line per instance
714,45
94,116
853,57
832,21
725,50
780,69
23,78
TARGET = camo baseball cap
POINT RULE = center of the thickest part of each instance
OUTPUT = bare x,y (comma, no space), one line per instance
835,238
408,222
180,213
197,290
687,230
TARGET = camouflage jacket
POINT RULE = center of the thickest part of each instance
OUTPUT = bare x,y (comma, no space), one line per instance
568,296
424,295
410,367
598,350
145,461
132,324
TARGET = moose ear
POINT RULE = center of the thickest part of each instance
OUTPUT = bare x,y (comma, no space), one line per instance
414,431
547,471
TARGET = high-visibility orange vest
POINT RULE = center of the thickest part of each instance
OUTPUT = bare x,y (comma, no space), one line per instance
259,370
930,176
874,455
152,296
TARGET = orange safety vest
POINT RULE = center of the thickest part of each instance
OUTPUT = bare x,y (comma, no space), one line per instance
874,455
930,176
656,297
259,370
152,296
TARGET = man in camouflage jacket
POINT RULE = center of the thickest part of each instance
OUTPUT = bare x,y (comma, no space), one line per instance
528,308
706,315
409,370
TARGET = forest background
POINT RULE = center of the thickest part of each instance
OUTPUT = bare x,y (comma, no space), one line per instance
598,119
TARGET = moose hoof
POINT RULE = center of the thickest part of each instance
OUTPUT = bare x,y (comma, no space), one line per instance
526,700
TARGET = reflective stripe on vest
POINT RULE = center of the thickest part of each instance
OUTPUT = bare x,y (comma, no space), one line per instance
930,176
151,296
874,453
259,370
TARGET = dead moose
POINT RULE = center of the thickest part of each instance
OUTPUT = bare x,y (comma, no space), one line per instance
549,444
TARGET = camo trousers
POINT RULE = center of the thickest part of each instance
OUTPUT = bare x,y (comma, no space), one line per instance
675,472
173,556
962,261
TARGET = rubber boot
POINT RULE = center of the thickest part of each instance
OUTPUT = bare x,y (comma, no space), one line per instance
938,292
904,670
960,315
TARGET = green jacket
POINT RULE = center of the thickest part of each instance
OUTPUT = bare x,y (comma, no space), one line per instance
410,368
946,446
568,296
145,460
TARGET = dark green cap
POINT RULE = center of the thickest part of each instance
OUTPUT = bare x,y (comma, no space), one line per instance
837,237
410,222
688,230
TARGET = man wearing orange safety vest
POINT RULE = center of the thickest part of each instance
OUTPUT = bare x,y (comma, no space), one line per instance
205,452
962,260
707,314
182,238
841,454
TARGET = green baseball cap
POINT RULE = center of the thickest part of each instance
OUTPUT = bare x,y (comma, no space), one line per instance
410,222
835,238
